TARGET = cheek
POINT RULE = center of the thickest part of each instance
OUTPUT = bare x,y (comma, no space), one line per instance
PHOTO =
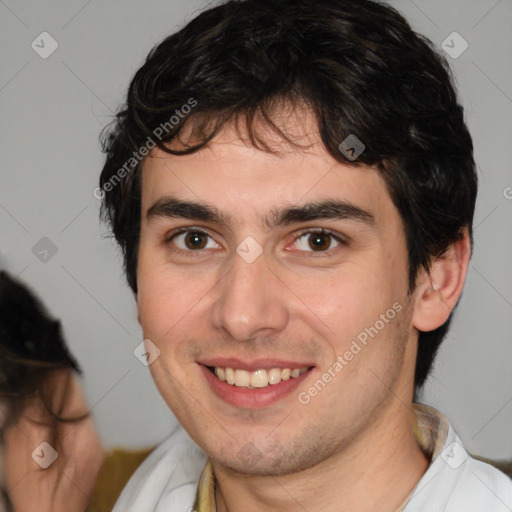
347,299
157,296
171,305
347,306
157,305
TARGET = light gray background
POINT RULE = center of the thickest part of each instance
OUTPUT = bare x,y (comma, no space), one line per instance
51,113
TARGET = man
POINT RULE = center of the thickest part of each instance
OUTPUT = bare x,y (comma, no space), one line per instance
292,185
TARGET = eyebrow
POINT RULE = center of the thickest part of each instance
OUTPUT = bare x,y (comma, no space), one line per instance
170,207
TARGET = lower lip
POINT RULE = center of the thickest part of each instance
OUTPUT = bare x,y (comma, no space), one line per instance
256,398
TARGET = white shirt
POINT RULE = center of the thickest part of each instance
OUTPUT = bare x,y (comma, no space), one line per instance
167,480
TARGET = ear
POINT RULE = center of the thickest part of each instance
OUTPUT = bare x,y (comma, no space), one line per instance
438,291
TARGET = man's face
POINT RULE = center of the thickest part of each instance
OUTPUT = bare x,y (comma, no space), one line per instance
263,283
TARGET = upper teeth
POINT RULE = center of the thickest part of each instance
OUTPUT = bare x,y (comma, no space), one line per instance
258,378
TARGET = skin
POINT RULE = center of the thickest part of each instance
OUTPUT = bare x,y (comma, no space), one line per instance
67,484
291,303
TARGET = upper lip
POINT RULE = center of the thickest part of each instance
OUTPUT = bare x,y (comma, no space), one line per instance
252,365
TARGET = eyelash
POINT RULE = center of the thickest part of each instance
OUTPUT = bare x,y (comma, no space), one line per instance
314,254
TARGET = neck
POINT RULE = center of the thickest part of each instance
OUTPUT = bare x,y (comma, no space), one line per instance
376,472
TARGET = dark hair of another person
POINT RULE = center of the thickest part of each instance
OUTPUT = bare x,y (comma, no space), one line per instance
32,349
359,68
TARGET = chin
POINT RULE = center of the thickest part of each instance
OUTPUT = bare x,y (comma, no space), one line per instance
268,458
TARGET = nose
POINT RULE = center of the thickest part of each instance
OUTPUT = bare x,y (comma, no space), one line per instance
251,300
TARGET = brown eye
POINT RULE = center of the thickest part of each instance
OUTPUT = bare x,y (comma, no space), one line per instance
317,241
195,240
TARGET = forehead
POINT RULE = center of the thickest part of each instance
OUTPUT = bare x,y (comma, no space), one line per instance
234,175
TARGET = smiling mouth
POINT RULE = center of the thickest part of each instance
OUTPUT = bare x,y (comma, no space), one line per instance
257,379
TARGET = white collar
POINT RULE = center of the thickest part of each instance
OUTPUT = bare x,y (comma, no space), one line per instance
454,482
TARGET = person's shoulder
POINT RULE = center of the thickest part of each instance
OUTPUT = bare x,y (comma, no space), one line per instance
176,455
170,473
482,488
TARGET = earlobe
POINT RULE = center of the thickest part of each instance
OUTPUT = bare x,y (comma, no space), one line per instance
438,291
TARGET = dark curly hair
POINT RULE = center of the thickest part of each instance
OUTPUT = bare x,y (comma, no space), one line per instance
361,70
32,349
32,352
